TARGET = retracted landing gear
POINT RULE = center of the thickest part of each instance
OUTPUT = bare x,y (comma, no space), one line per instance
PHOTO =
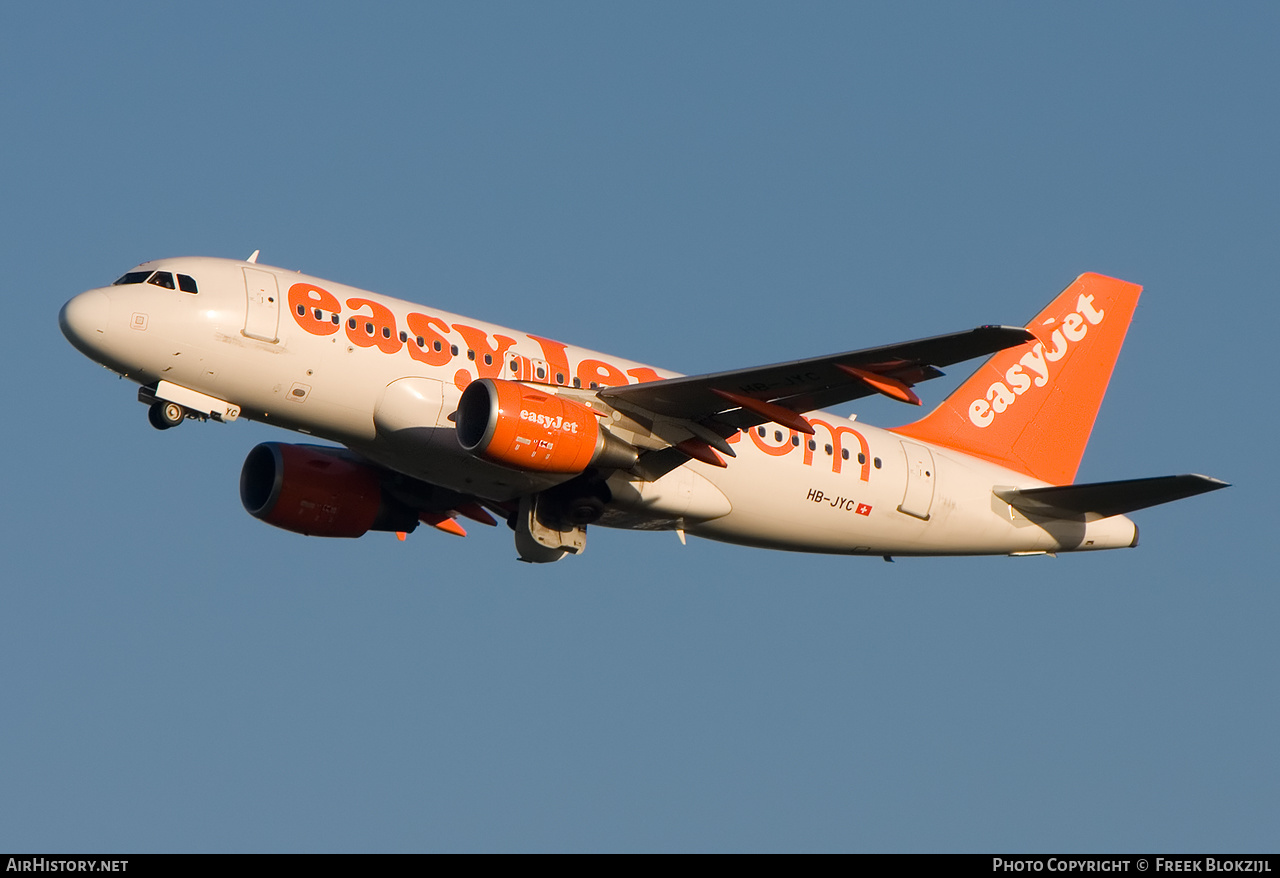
164,415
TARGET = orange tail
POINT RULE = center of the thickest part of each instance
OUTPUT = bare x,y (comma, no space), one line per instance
1032,408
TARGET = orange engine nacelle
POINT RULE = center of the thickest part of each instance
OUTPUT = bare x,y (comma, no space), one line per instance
521,427
317,491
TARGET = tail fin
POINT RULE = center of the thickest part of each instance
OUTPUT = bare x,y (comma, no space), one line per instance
1031,408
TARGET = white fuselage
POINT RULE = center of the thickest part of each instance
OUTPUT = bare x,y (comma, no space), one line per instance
345,364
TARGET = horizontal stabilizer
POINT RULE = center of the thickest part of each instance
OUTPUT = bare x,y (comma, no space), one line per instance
1107,498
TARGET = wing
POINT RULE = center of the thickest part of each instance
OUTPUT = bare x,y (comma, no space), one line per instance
711,407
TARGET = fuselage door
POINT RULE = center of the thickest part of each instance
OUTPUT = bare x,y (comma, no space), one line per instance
918,497
521,368
262,318
517,367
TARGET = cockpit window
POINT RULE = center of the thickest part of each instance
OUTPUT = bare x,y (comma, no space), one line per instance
186,282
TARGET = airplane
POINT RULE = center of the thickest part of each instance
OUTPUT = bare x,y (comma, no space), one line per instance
438,417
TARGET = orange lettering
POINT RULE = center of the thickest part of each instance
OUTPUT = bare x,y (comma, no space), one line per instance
434,350
643,374
837,457
378,328
488,359
774,450
554,353
598,373
313,308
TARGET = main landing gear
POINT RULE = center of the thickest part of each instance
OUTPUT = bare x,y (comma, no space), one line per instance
164,415
554,523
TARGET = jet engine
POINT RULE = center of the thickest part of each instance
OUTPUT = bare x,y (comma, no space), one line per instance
318,491
528,429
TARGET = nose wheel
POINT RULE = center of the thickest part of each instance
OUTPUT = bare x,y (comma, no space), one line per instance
164,415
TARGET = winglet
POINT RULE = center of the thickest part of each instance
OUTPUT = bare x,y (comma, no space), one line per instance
1032,408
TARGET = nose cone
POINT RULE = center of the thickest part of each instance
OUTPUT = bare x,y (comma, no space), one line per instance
83,320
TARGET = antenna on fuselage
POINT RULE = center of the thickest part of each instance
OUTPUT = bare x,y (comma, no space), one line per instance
253,257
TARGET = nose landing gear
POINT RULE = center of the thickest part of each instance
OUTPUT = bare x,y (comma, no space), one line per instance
164,415
168,404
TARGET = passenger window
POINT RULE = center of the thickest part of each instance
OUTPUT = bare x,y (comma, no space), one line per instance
187,283
133,277
162,279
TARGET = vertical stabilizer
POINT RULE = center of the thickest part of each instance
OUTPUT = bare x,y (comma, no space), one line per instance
1031,408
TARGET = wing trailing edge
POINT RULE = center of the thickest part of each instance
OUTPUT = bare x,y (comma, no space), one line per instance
745,397
696,413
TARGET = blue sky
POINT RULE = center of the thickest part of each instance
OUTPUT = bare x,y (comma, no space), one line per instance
700,187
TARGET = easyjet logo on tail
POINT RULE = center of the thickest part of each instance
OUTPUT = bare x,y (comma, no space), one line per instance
1034,367
1031,408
